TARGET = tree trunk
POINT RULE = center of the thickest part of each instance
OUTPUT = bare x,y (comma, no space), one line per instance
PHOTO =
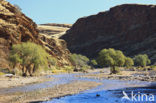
31,69
113,70
24,71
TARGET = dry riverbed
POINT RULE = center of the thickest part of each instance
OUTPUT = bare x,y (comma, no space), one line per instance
48,93
70,88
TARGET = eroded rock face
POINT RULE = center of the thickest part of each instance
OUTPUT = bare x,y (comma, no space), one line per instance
15,28
57,48
130,28
49,35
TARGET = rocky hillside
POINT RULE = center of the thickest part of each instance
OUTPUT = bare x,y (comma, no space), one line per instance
130,28
15,28
49,34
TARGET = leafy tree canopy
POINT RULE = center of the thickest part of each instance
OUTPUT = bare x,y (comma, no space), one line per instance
142,60
29,53
111,57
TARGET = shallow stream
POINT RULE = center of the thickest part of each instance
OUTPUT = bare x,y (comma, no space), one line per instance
111,91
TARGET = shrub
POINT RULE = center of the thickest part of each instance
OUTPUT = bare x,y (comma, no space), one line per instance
139,68
52,61
112,58
129,62
142,60
85,68
153,67
93,62
69,69
30,56
79,61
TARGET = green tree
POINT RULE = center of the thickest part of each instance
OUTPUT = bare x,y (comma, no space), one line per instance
129,62
112,58
30,56
142,60
93,62
119,58
79,61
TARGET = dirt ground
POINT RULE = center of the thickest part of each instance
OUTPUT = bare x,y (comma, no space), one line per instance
7,82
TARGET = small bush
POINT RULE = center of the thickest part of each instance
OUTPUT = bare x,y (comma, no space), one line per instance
85,68
140,68
52,61
79,61
153,67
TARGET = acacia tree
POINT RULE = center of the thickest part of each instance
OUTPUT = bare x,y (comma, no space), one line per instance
129,62
30,56
142,60
112,58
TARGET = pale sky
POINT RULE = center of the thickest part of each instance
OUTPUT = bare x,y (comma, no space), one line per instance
68,11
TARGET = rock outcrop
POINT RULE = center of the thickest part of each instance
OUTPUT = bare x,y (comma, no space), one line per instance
129,27
15,28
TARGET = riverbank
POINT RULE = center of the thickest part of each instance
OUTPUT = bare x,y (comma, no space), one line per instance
123,75
15,81
48,93
67,84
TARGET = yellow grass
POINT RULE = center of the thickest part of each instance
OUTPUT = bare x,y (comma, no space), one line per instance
56,71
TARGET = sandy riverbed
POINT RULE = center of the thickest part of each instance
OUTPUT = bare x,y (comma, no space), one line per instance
73,87
48,93
7,82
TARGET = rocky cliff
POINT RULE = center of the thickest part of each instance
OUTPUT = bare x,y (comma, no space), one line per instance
129,27
15,28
